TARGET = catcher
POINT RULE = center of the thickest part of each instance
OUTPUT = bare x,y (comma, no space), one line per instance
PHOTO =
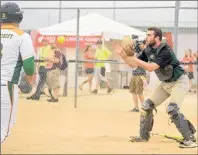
159,57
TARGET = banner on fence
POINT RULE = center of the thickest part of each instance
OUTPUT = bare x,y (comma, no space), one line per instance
69,41
169,39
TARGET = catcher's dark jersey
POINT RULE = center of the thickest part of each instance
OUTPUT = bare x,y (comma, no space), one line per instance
164,58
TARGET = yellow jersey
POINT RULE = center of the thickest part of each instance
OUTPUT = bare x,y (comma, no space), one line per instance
102,54
44,53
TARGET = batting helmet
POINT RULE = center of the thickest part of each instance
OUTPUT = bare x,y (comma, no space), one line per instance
11,13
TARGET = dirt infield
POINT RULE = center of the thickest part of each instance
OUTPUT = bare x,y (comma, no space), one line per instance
100,124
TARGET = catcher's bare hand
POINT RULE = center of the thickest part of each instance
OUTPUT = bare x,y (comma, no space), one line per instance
118,48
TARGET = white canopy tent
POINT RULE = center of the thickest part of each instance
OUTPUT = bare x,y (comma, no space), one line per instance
92,25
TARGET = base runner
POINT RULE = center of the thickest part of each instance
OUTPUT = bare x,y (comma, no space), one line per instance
16,51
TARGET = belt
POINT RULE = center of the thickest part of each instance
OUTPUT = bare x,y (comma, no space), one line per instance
171,80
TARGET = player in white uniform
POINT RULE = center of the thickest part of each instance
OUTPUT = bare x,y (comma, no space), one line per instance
16,52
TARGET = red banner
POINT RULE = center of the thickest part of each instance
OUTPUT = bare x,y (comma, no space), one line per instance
70,41
168,36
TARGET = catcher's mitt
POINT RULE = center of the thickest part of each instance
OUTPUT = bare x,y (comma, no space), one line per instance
127,45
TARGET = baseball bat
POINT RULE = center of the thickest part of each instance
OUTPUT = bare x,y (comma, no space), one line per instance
177,138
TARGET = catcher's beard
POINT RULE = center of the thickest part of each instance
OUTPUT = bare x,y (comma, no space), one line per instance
152,43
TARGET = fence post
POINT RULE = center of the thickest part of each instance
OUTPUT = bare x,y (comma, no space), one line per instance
77,51
176,23
65,89
59,12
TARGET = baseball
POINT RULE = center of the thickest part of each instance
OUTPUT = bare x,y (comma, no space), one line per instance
61,39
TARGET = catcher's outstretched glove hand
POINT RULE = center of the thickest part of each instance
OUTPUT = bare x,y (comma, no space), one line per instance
125,47
127,50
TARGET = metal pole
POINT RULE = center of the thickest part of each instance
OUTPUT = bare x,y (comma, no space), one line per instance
48,19
77,50
177,5
66,71
114,10
59,13
104,8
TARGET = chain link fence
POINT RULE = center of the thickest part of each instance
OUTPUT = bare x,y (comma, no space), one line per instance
85,75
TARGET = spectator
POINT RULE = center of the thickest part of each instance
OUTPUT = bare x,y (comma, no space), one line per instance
44,52
196,58
185,60
102,53
137,84
89,67
108,74
53,73
190,69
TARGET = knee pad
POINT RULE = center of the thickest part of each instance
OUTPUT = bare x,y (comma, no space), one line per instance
147,107
146,119
172,110
184,126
